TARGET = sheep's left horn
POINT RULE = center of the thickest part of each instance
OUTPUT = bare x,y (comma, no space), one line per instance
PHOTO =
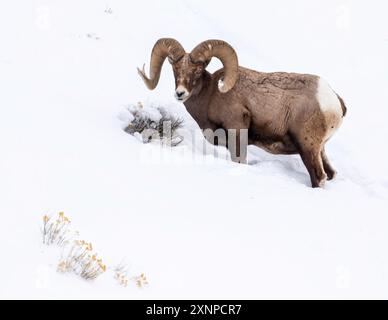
223,51
163,48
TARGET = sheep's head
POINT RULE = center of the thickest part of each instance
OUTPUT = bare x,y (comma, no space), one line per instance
189,67
187,75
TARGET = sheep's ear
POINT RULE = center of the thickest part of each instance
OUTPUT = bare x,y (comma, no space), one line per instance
206,63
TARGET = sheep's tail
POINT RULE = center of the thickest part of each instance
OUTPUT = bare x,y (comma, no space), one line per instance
343,106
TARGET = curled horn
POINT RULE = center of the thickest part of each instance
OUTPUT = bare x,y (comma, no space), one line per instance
163,48
223,51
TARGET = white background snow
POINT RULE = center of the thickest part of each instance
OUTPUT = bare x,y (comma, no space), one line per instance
198,229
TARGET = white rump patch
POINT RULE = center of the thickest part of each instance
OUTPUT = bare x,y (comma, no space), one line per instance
328,100
330,107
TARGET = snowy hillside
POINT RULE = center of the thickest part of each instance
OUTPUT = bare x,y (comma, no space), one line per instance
197,226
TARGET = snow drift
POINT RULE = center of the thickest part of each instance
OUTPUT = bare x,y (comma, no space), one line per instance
197,225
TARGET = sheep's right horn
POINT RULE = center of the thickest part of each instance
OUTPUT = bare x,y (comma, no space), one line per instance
223,51
163,48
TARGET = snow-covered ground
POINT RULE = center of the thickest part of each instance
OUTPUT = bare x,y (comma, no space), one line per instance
199,227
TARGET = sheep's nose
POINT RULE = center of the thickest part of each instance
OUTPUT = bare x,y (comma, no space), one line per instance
179,94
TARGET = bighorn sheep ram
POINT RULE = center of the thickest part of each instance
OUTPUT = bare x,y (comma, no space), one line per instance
284,113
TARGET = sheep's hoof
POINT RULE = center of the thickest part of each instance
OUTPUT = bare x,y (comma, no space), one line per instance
331,175
320,183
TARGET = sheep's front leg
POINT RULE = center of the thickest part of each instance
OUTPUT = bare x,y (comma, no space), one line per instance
237,124
238,144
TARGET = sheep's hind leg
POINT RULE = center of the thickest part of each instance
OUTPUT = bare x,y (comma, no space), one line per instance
313,161
330,171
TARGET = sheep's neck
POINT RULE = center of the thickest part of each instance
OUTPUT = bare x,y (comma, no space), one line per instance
198,103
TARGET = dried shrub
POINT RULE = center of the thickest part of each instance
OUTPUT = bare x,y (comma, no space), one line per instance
163,126
81,260
121,274
56,230
78,256
141,281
